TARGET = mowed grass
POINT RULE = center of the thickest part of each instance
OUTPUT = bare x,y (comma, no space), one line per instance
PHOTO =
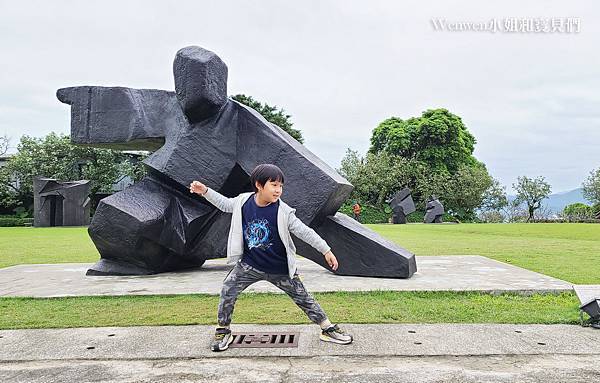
343,307
570,252
24,245
566,251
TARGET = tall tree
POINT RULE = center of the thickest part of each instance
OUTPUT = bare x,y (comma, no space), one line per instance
442,146
494,198
591,186
532,192
272,114
466,191
438,138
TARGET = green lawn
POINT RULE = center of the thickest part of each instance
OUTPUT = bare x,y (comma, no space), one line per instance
20,245
355,307
566,251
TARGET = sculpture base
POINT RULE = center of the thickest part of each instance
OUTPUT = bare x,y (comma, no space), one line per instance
109,267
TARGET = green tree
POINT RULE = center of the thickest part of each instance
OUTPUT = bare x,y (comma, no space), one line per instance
461,193
591,186
466,191
390,136
272,114
531,192
494,198
438,138
578,210
441,148
494,202
54,156
377,176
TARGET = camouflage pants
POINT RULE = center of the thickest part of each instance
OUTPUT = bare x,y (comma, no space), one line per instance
243,275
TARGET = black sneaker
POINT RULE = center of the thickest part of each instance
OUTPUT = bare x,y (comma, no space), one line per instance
336,335
222,339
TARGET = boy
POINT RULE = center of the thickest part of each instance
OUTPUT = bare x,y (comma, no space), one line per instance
261,245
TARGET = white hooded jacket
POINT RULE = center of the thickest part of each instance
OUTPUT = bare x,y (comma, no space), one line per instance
287,223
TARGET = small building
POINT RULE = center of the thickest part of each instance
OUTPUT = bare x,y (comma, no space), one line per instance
57,203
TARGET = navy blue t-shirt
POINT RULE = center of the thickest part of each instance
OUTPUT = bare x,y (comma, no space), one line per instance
263,248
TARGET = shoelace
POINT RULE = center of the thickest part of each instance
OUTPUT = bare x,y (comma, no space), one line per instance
335,329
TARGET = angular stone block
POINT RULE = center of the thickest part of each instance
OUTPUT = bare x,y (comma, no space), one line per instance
200,82
434,211
360,251
122,118
402,205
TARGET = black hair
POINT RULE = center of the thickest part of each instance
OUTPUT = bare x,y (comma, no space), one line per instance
264,173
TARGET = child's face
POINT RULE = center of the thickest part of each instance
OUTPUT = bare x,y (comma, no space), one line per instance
271,191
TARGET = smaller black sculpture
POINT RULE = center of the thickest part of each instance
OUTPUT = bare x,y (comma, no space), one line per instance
434,210
402,205
59,203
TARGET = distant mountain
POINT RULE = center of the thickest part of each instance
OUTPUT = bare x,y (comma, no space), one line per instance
557,202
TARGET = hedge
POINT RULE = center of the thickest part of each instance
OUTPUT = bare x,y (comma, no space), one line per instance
369,213
15,221
374,214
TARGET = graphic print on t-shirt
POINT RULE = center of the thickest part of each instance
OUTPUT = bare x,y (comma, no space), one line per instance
258,234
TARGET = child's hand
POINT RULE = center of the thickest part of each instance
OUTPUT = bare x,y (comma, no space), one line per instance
331,260
198,187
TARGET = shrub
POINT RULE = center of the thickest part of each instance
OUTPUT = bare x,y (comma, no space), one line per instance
578,211
416,217
7,221
369,213
491,216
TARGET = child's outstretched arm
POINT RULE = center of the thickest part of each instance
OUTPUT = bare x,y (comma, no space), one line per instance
217,199
308,235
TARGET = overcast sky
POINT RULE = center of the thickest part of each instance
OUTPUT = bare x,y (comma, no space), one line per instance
532,100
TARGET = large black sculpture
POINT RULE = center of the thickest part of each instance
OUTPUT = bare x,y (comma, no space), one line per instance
57,203
434,210
402,205
198,133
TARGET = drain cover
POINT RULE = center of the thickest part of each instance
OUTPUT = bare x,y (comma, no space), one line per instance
263,339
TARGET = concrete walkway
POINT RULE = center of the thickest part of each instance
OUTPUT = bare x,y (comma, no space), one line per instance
322,369
380,353
439,273
177,342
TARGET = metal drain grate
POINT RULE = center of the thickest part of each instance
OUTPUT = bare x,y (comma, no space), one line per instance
271,339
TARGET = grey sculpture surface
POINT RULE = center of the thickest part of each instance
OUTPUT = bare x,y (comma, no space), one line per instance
402,205
57,203
156,225
434,210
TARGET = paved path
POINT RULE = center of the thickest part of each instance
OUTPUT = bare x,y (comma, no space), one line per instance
380,353
439,273
463,369
148,342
